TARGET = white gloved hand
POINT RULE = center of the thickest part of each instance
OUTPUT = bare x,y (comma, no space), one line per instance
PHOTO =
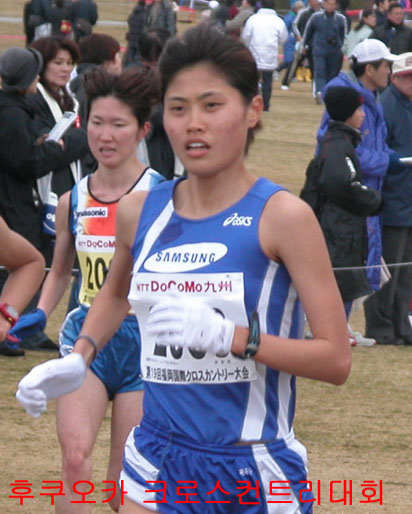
50,380
190,323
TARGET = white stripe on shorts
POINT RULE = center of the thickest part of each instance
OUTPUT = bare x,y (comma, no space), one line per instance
271,472
146,470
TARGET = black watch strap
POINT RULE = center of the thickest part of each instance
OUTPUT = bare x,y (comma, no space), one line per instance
253,341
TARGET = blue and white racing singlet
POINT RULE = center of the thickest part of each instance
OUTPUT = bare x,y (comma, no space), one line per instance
211,398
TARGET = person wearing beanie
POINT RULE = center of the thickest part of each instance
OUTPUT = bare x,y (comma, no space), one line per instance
369,73
23,158
345,200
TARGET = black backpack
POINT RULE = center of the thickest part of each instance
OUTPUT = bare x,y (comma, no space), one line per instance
310,192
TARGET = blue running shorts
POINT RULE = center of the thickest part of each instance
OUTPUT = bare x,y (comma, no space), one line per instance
118,364
171,474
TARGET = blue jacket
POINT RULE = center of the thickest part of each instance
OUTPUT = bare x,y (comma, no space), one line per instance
289,46
397,188
373,154
325,32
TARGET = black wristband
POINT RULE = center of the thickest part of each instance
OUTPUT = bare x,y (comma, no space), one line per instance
253,340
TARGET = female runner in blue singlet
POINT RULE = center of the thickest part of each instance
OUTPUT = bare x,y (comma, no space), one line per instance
218,268
119,110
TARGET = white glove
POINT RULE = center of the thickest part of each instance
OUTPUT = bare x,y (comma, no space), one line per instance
190,323
49,380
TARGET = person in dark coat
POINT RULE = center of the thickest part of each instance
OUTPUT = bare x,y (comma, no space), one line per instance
387,311
52,100
346,201
137,23
24,157
394,33
84,16
160,15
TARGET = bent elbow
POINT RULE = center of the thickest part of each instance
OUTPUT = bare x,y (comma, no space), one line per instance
342,370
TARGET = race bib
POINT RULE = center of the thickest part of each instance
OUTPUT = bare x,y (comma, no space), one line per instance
177,365
95,254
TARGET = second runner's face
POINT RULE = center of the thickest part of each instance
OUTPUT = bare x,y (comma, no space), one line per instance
206,120
112,131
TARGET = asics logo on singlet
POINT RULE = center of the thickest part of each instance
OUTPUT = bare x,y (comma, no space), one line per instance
93,212
238,221
185,257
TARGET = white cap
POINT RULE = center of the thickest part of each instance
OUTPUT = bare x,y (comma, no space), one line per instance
404,65
213,4
370,50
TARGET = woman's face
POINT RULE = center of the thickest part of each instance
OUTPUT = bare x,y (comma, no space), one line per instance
112,131
370,20
58,70
207,120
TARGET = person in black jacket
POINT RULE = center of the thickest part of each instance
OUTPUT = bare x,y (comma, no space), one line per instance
346,201
394,33
24,157
137,23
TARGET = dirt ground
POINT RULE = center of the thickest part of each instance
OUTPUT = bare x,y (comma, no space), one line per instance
355,433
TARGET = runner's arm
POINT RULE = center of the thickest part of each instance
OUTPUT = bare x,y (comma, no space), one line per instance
290,233
111,305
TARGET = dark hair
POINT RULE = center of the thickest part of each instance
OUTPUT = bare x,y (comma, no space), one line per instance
152,42
207,44
135,87
359,68
365,14
378,2
394,5
49,48
98,48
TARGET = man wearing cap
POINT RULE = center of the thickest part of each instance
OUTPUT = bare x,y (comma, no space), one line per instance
394,33
22,158
369,73
387,311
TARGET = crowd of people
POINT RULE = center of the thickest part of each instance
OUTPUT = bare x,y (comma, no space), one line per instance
148,186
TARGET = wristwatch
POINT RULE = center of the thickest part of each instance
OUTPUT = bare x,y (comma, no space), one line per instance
9,313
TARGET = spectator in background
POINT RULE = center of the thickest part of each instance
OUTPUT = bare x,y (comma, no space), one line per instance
263,34
325,32
304,65
160,15
136,22
346,201
386,311
289,46
362,31
370,70
23,158
84,15
227,10
381,10
235,26
29,21
394,33
61,18
155,149
52,100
